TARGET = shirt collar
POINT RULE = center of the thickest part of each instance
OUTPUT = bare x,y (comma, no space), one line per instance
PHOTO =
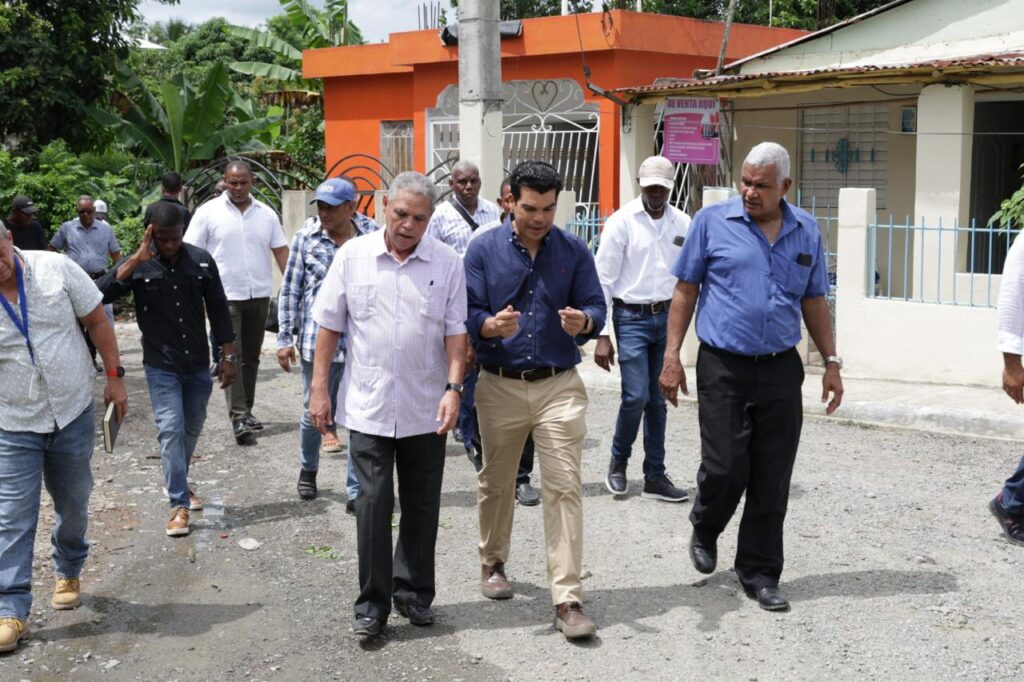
423,250
789,220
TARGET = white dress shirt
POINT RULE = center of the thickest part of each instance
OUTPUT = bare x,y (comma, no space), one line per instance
448,225
395,317
240,243
635,255
1010,309
55,390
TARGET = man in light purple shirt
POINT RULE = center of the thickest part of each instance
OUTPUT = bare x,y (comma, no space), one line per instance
400,298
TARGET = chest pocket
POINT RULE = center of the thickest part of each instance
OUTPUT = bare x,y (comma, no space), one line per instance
148,287
362,301
797,276
432,306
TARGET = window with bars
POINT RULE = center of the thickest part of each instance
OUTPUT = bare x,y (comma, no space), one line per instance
846,146
396,145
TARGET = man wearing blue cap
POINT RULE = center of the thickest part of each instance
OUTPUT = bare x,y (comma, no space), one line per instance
312,251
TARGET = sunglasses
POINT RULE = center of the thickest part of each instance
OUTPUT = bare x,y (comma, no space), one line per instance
86,211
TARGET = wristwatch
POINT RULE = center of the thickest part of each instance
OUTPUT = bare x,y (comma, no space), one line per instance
115,373
228,357
834,359
452,386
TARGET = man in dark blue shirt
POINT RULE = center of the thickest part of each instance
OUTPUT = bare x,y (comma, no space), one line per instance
756,265
534,297
176,287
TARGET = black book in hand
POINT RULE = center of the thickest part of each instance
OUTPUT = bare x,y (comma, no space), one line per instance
110,427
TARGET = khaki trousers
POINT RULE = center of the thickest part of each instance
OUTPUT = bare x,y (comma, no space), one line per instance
554,410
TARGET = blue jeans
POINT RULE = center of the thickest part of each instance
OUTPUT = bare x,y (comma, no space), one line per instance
1013,492
179,410
641,341
309,436
467,408
61,460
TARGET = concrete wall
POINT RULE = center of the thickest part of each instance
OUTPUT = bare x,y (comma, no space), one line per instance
901,340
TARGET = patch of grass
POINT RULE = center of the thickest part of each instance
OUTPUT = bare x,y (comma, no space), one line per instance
323,552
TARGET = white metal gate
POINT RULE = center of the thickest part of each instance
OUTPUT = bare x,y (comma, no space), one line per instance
543,120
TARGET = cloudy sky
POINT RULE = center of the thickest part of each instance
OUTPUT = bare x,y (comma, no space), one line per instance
375,18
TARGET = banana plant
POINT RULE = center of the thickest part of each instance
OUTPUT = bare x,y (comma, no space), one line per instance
181,126
328,28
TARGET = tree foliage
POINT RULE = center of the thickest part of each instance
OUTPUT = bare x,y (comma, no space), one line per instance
809,15
526,9
53,60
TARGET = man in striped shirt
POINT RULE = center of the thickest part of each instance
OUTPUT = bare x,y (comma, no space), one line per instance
311,253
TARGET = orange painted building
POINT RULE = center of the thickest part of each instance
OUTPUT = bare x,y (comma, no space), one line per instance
398,100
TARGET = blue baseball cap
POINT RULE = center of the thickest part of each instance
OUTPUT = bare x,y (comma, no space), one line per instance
335,191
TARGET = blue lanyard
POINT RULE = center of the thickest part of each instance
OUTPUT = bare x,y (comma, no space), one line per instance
21,324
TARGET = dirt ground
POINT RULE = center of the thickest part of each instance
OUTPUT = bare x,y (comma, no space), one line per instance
894,568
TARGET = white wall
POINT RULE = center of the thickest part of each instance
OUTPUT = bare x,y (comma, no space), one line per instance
900,340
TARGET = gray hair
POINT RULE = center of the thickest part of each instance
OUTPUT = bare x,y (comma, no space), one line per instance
414,183
769,154
84,197
464,166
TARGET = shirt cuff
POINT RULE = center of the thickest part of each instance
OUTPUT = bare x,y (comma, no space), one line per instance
1010,343
454,329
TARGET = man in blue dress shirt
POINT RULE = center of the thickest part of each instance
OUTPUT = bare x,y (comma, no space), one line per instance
534,297
756,265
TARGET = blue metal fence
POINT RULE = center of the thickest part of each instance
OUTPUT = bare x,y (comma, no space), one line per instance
587,226
940,264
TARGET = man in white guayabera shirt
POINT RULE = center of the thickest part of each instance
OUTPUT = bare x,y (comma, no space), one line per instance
399,296
46,420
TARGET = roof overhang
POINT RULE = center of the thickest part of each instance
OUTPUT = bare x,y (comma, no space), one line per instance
986,70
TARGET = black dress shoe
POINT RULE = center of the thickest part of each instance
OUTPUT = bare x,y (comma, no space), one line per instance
365,626
253,423
350,507
703,555
769,598
243,433
527,495
474,457
1013,526
307,484
616,479
417,615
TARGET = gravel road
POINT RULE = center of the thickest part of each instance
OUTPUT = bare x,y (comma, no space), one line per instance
894,567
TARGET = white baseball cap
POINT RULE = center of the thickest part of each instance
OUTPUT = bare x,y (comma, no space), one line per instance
657,170
100,206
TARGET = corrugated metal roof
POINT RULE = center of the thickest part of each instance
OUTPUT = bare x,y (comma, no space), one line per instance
1008,60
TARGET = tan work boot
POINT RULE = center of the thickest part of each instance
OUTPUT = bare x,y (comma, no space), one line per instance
12,631
67,594
571,622
178,525
493,583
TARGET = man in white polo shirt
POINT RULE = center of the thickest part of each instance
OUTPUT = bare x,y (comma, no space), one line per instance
238,230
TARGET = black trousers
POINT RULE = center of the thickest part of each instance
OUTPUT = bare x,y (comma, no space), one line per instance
750,418
409,577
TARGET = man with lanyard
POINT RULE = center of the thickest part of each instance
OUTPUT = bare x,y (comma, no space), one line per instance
757,265
170,185
47,423
526,494
89,242
240,232
639,243
28,234
309,258
534,297
173,283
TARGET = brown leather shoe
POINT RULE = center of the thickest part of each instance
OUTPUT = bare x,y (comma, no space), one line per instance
571,622
493,583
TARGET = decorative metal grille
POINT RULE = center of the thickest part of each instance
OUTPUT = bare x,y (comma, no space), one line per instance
396,145
543,120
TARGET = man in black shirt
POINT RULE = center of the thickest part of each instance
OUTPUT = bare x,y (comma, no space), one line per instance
176,285
28,234
171,184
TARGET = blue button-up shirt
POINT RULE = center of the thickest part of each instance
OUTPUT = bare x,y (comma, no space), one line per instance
750,290
90,248
499,273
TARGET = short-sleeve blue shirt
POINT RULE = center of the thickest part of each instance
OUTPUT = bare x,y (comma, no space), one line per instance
90,248
750,290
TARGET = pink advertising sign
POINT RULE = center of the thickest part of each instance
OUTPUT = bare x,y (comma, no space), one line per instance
691,130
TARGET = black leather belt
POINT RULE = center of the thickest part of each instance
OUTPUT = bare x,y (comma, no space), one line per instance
647,308
525,374
765,357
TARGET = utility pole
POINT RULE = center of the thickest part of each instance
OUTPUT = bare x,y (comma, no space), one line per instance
729,14
480,124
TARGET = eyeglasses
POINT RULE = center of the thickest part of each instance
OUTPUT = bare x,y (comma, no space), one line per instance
86,211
